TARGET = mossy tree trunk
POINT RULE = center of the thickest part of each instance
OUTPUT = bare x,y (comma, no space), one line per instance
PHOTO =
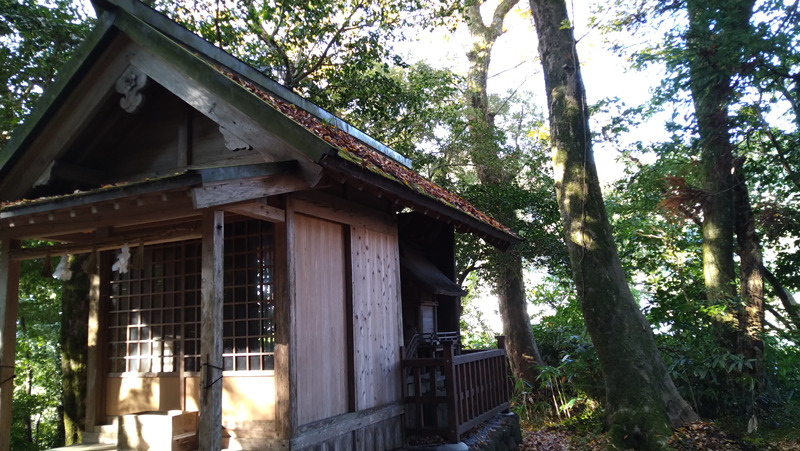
642,402
74,343
713,60
509,284
751,314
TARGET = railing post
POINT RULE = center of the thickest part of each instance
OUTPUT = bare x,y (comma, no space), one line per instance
501,341
450,389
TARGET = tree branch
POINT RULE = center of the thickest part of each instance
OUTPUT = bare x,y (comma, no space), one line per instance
321,60
789,304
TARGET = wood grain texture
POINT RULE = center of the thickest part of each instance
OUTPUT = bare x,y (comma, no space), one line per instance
320,343
376,319
285,391
211,290
234,191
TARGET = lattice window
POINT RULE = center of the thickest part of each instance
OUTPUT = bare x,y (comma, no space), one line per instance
155,311
248,329
153,308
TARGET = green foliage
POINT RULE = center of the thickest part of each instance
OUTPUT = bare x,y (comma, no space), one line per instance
318,48
37,387
36,38
475,331
564,343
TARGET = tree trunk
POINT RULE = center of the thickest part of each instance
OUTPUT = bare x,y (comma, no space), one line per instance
28,431
711,69
523,354
74,343
641,399
751,315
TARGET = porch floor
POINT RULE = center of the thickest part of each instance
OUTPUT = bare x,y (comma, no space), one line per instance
87,447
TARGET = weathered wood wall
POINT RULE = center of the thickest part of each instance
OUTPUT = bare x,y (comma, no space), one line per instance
320,342
377,334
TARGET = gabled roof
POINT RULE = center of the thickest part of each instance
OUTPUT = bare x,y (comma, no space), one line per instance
344,151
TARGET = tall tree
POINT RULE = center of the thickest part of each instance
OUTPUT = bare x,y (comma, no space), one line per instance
485,153
642,401
74,347
36,38
317,48
713,61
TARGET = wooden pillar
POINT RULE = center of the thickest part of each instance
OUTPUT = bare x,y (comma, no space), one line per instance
9,290
285,365
95,388
211,295
449,370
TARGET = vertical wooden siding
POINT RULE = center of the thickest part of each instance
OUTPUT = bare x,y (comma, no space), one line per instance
321,339
376,317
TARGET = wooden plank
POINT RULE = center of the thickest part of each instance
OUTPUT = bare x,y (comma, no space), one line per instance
247,171
9,290
185,144
121,213
258,210
480,355
320,338
464,427
321,431
285,390
271,133
423,203
110,243
221,193
450,389
376,337
341,210
211,295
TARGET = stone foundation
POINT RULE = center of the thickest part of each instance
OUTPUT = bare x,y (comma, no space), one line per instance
501,433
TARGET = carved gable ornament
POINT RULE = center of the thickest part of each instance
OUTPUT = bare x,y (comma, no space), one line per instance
130,85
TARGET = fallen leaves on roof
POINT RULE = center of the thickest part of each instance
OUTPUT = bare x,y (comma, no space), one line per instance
78,193
356,151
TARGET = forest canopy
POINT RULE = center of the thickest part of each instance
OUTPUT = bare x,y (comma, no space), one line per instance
695,238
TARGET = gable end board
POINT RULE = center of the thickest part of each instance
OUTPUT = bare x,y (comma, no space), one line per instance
53,97
185,37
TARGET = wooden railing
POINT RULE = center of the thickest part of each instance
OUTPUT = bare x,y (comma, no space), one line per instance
451,394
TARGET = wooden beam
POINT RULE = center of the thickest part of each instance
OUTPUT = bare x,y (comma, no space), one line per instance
94,365
211,296
247,171
285,390
420,202
318,432
234,191
9,290
121,213
110,243
184,157
258,210
340,210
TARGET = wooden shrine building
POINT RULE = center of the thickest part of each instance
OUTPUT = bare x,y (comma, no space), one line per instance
292,268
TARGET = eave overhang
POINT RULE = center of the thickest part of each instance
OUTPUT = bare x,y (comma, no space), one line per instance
426,204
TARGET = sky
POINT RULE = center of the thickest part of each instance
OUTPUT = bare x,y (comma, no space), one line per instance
515,66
